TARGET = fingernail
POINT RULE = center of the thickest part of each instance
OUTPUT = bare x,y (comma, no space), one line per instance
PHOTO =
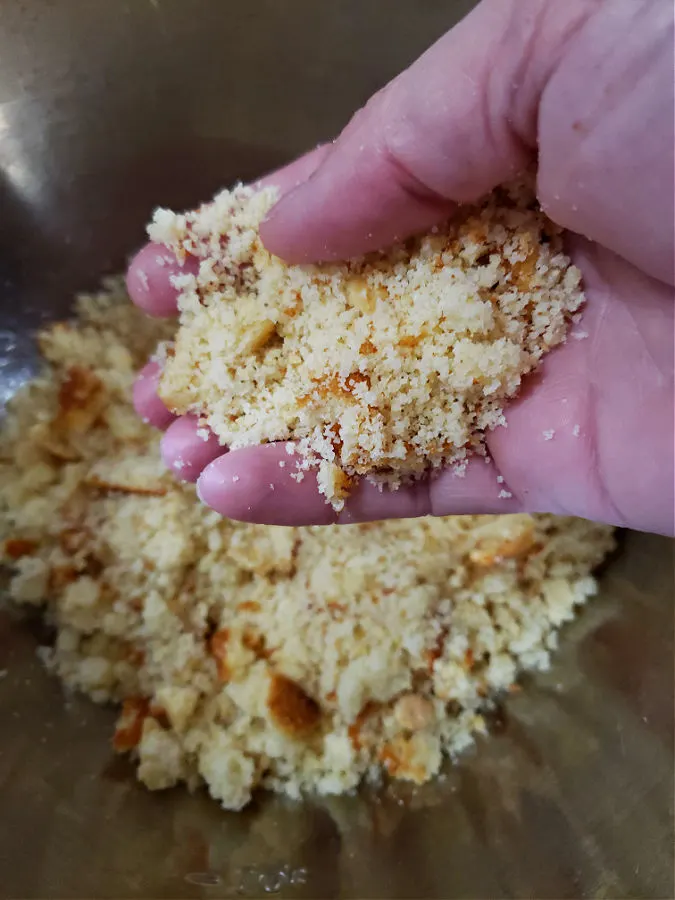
209,481
198,488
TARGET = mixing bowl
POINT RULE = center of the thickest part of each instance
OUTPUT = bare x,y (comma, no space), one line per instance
107,109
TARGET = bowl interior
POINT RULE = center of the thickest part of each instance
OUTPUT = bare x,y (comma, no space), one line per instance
107,110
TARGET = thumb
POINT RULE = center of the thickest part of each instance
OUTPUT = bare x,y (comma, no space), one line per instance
459,121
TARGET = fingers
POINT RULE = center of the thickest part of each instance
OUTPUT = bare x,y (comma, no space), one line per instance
250,485
259,484
149,279
146,400
187,448
458,122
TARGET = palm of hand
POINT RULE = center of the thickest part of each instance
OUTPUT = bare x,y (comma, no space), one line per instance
616,386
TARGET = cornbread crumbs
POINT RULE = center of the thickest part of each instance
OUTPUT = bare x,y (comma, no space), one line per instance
246,656
387,366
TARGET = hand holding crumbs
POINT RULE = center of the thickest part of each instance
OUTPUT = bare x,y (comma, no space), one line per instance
591,433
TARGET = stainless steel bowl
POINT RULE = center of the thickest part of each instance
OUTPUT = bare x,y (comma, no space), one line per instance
107,109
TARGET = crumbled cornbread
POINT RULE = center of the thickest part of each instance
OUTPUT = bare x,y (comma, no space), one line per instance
297,659
386,366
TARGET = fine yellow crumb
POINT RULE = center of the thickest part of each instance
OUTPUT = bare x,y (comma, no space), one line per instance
245,656
385,366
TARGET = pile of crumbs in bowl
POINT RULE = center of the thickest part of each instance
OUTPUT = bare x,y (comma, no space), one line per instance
247,656
386,366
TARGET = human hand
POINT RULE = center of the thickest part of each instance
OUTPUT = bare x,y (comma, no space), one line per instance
584,88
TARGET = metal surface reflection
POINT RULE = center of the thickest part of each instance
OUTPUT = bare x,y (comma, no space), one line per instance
107,109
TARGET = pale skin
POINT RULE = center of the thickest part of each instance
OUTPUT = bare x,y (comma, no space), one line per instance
584,89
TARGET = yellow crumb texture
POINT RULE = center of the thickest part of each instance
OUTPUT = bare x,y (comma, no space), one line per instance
388,365
245,656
